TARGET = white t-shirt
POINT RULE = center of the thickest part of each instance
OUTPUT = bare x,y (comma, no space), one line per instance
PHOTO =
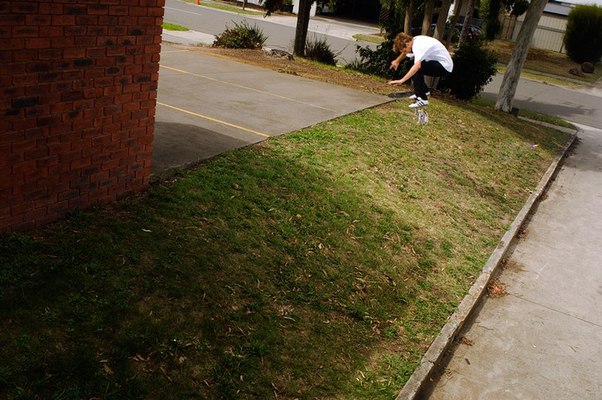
426,48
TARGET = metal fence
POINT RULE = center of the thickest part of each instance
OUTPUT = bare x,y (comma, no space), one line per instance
549,34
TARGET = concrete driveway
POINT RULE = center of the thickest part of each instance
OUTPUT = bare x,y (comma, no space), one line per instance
208,105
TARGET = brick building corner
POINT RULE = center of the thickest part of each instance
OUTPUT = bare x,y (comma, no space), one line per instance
78,87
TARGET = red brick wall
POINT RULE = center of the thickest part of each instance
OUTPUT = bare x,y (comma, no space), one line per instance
78,86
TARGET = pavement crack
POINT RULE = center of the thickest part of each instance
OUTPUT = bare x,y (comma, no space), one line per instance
557,311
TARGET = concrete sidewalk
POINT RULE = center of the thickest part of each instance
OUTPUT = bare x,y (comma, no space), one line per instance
190,38
542,339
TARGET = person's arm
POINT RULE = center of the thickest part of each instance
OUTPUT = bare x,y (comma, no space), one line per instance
395,63
408,75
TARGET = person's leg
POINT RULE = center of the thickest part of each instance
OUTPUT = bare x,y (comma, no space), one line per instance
420,87
433,69
428,68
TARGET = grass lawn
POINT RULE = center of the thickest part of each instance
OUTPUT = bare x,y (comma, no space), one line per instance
318,264
174,27
377,39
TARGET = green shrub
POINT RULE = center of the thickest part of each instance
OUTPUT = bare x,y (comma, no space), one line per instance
583,36
318,50
474,67
242,36
378,62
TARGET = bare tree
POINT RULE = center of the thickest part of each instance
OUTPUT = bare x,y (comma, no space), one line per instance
519,55
429,8
454,21
302,22
441,19
466,24
407,23
302,27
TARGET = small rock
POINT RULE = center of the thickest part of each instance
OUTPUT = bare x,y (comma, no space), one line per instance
281,54
587,67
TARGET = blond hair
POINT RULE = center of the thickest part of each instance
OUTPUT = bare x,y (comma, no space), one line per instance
400,42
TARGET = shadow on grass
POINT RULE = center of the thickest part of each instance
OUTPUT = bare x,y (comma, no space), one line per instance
315,265
253,276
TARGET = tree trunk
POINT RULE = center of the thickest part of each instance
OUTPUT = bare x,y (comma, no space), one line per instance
441,19
429,7
466,24
302,27
519,55
454,21
244,4
492,19
407,23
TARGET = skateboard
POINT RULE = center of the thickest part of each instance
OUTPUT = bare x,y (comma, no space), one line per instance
422,117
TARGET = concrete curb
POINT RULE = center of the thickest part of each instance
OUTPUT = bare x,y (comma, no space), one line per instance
444,340
191,38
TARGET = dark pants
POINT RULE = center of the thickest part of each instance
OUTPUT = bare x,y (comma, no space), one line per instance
428,68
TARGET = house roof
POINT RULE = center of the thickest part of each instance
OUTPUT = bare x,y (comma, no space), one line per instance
558,8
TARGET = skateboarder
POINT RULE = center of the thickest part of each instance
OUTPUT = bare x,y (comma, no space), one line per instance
431,58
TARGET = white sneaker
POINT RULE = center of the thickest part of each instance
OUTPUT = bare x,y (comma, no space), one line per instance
413,97
419,103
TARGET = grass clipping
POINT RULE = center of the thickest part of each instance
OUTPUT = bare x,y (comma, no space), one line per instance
319,264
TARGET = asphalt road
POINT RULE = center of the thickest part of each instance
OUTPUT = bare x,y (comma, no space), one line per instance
279,35
582,106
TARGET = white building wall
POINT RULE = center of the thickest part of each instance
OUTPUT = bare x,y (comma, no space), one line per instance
549,34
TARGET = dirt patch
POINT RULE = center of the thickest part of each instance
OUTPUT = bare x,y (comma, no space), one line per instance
305,68
511,265
496,288
466,341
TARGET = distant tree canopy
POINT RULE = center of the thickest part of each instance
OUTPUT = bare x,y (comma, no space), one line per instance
516,7
492,10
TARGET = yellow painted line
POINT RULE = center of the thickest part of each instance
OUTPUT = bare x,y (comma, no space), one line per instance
214,120
244,87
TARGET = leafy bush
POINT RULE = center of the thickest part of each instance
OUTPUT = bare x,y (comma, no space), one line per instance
474,67
318,50
583,36
377,62
242,36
